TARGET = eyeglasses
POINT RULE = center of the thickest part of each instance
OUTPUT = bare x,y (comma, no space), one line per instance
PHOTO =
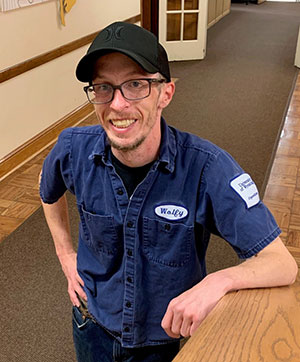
131,90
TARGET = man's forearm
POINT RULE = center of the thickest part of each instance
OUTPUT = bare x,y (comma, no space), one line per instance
273,266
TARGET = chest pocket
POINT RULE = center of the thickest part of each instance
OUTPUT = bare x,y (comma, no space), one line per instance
167,243
101,235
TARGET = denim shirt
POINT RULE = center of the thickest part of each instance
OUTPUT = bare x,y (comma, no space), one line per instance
136,254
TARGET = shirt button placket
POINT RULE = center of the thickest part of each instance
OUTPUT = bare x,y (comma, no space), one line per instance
131,281
129,277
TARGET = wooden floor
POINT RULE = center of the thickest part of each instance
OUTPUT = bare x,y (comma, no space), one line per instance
19,196
282,194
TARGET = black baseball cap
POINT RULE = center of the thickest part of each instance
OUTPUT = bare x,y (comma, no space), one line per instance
134,41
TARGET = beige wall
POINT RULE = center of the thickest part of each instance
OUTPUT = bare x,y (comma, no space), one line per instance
34,100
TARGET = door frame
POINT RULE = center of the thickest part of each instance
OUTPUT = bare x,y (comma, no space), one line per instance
149,15
150,21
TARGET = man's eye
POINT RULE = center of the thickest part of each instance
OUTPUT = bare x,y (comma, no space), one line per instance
102,88
134,84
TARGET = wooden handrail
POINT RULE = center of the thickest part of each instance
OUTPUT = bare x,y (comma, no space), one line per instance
32,63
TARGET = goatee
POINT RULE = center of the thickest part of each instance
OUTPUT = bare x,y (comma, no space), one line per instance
128,148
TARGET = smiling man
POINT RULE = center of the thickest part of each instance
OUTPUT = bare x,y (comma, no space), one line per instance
130,126
148,196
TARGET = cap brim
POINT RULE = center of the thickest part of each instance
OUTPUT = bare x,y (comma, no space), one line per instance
85,67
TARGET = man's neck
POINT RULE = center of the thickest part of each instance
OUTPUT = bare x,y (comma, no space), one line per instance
135,158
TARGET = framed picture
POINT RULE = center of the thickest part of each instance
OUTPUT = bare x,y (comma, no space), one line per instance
6,5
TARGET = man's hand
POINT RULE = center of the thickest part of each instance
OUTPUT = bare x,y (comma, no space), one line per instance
75,283
186,312
57,217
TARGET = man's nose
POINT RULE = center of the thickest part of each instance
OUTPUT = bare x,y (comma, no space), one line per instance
119,102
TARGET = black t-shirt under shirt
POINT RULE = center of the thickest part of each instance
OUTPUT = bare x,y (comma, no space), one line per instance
131,176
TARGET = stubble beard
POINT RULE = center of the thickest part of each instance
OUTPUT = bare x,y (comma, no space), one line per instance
137,142
128,148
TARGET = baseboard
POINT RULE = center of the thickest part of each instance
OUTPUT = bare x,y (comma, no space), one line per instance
221,16
23,153
209,25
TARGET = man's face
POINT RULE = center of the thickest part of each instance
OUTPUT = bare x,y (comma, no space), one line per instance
129,124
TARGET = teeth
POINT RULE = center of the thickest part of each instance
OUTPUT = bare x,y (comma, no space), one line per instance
123,123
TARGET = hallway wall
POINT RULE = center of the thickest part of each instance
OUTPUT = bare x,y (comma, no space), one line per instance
36,99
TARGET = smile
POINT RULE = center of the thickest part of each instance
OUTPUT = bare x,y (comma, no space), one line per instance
122,123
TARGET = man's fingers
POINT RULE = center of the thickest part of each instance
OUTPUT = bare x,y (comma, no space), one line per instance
80,286
80,281
176,323
81,293
75,283
194,326
171,322
166,323
185,327
187,311
181,319
75,289
73,297
167,320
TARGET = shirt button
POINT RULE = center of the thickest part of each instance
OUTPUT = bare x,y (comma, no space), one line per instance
128,304
129,279
129,252
167,227
130,224
120,192
126,329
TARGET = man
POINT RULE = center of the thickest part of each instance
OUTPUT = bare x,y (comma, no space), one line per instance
148,197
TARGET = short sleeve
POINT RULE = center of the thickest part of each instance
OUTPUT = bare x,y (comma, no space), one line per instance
57,170
235,211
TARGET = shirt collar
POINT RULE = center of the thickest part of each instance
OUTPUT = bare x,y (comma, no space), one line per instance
167,147
101,146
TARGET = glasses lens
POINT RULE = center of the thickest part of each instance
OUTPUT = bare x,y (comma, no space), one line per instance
100,93
136,89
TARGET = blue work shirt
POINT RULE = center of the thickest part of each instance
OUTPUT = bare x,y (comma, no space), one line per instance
136,254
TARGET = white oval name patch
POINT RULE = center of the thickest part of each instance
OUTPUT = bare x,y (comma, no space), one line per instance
171,212
246,188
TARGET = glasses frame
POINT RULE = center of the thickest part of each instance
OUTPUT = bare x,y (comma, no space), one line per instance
119,86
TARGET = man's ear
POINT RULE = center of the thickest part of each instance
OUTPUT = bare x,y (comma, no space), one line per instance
167,93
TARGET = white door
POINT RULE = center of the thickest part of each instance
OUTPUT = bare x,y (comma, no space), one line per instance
183,28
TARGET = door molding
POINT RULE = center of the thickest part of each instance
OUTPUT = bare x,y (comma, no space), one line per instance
149,15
